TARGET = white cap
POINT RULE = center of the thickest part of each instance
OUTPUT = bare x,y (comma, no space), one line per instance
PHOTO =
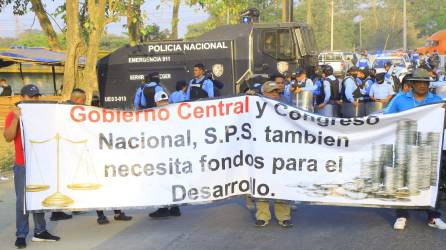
161,96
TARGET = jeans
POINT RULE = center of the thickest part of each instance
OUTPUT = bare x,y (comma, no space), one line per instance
22,215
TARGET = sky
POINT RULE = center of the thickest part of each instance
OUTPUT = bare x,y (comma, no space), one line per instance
11,25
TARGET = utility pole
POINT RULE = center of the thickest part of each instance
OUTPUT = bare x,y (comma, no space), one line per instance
332,23
360,34
287,11
404,25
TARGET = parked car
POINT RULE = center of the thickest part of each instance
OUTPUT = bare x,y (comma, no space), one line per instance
401,62
335,59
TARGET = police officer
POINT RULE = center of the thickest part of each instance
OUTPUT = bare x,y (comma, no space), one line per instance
282,210
350,90
391,77
145,94
419,95
364,82
201,86
180,94
326,102
363,62
381,92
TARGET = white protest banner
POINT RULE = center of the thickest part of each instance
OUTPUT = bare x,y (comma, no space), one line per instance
80,157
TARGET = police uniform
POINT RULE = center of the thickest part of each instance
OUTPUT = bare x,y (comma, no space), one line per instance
177,96
204,83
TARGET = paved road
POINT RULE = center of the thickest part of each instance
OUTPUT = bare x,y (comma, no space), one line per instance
229,225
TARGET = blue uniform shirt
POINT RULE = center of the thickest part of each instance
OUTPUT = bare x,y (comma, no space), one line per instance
158,88
403,102
350,87
208,86
177,96
309,86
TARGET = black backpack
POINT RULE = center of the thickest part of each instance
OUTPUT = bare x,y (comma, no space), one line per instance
196,89
334,91
145,96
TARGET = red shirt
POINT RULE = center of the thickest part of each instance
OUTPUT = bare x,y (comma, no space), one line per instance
19,159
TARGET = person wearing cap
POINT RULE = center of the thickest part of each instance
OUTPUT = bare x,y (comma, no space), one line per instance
201,86
329,92
380,91
180,94
282,210
419,95
12,132
162,99
301,82
144,96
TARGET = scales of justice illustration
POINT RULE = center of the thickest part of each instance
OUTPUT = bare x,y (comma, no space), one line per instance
58,199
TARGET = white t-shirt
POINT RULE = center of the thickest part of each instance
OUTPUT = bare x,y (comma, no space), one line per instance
381,91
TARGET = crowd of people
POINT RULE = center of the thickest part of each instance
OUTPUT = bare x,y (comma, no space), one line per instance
360,84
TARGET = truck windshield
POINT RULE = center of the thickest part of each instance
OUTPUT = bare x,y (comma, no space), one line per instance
278,44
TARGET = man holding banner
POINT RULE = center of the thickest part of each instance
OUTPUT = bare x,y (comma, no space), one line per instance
282,210
13,133
419,95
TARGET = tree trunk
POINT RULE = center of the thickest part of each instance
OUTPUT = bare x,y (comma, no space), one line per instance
309,12
175,18
284,12
96,10
74,45
133,20
45,23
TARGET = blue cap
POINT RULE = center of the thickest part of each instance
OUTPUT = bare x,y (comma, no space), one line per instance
30,90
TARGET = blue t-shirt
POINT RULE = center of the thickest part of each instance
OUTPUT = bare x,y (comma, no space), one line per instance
403,102
177,96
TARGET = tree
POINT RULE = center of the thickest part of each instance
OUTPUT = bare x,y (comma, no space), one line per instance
20,7
74,47
95,15
175,18
228,12
45,23
134,20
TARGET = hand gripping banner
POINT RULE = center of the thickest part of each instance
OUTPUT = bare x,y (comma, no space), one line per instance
80,157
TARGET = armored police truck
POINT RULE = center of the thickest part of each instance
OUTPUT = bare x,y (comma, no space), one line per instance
232,53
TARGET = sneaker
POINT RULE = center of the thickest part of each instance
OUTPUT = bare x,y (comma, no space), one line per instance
102,220
20,243
160,213
3,178
175,211
44,236
400,223
437,223
123,217
55,216
286,223
261,223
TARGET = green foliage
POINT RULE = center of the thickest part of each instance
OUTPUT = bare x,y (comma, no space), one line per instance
153,32
228,12
31,38
381,26
112,42
19,7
